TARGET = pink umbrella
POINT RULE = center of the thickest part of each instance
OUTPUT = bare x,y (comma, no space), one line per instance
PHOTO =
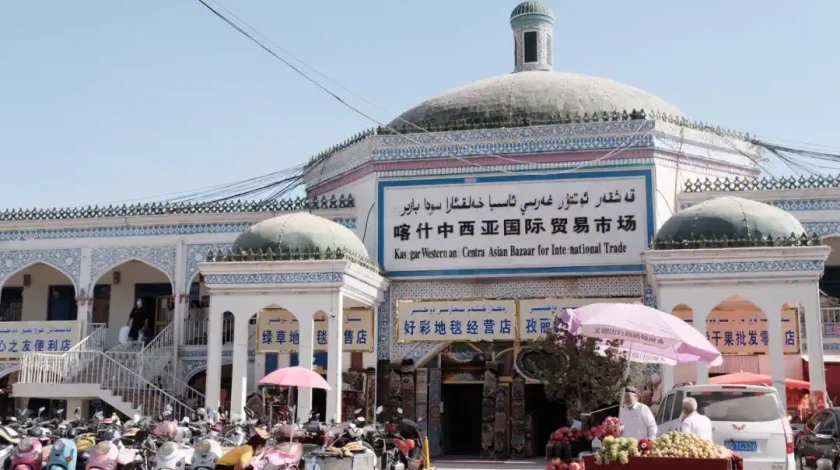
649,335
295,377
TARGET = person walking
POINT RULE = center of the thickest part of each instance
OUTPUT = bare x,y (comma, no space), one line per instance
693,422
636,418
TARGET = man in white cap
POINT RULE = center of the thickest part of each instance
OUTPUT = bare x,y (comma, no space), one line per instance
636,418
693,422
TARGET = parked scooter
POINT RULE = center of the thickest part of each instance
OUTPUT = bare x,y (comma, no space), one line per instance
28,455
63,455
170,456
206,454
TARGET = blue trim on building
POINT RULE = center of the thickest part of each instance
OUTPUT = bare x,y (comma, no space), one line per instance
646,173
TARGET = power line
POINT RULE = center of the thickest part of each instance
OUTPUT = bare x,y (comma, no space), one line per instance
367,116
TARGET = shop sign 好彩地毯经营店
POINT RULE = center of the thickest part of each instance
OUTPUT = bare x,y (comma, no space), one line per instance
457,320
483,319
544,225
278,331
17,338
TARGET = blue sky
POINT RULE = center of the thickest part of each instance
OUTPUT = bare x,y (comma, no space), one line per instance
104,100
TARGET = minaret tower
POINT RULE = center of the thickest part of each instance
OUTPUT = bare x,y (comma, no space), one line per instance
533,25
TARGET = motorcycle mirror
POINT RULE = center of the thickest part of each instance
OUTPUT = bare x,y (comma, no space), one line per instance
358,411
58,412
378,410
360,419
41,410
399,410
186,420
136,418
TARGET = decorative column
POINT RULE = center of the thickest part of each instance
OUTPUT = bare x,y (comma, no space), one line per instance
306,359
813,334
239,374
182,297
667,301
335,356
84,295
772,308
701,310
213,382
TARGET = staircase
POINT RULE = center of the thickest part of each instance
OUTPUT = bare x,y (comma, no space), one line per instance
117,376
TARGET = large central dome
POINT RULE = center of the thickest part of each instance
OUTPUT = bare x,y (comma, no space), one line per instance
535,96
533,93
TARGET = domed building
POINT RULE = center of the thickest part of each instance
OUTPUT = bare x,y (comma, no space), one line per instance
425,256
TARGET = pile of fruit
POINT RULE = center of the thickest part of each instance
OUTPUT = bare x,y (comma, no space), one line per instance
557,464
680,445
566,435
672,445
617,450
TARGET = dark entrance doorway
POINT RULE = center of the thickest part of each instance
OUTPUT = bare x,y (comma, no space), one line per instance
547,416
462,419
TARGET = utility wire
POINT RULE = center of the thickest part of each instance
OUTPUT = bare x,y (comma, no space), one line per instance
381,124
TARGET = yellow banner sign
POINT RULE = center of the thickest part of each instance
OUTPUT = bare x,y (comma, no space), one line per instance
456,320
37,337
746,331
278,331
536,316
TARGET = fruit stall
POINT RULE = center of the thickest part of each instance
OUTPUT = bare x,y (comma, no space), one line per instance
669,451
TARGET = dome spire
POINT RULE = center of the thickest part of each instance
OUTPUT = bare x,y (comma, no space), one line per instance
533,24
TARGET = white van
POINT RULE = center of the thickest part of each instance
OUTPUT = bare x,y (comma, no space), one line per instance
747,419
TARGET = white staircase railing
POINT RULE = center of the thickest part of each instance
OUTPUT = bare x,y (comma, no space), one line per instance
99,368
195,331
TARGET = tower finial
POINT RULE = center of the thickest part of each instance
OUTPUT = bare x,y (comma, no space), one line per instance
533,24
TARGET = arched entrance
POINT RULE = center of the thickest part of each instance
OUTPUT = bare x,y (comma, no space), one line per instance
118,290
38,292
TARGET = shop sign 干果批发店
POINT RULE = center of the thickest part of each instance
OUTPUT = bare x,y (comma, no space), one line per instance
744,332
494,226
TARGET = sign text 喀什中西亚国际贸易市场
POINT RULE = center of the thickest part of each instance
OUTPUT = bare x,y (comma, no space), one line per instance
596,222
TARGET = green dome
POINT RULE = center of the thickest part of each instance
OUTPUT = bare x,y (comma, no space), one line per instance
531,7
299,231
733,217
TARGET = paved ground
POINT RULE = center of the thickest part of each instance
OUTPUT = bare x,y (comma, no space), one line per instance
513,465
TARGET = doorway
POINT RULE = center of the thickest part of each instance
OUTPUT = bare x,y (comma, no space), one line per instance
547,416
462,419
62,303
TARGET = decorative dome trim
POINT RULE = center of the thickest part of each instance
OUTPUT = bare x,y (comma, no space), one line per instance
738,221
299,232
531,7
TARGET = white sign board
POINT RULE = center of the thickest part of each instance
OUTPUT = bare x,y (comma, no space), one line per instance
456,320
569,223
536,316
38,337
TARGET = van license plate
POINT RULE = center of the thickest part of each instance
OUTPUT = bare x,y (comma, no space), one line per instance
741,446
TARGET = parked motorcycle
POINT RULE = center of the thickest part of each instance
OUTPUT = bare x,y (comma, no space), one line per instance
170,456
28,455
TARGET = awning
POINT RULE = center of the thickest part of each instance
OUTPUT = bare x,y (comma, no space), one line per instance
827,358
746,378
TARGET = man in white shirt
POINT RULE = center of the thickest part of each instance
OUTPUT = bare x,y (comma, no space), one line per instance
636,418
693,422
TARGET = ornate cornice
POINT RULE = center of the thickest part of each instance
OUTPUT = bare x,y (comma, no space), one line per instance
237,255
761,184
738,267
166,208
726,242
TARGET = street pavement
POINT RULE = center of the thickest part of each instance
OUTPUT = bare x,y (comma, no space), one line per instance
510,465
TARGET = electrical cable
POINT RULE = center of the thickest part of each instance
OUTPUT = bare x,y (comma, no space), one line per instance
372,119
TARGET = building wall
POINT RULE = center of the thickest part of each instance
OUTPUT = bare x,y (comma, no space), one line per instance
36,297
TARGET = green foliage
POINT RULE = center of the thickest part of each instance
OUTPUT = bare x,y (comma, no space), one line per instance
576,373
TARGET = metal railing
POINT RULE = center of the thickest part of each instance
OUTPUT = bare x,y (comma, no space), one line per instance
195,331
11,311
830,315
98,368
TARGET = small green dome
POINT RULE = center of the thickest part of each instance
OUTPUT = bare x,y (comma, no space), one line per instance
733,217
531,7
299,231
